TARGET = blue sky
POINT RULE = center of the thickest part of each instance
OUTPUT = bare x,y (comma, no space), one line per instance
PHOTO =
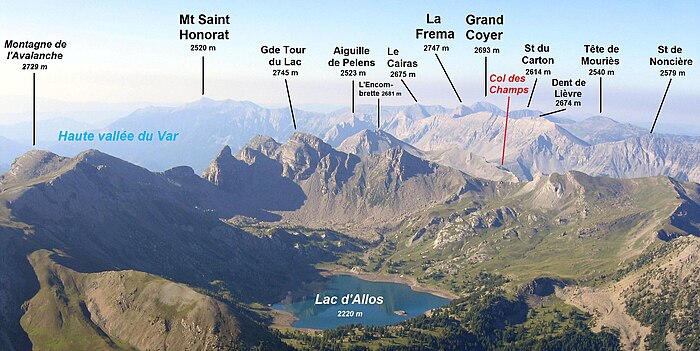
129,50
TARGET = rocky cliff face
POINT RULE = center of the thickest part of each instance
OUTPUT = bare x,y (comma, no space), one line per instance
338,188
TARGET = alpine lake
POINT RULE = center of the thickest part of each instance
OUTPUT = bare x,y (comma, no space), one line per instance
346,299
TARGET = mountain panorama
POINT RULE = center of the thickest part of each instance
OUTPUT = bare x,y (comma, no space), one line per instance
467,138
586,238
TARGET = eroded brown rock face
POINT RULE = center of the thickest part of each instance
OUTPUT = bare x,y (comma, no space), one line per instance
324,187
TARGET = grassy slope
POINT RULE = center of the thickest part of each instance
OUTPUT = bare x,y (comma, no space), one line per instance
124,310
580,238
56,318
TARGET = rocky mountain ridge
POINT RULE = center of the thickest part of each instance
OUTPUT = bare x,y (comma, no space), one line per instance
326,187
597,145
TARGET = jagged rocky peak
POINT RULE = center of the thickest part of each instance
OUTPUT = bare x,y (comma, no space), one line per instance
309,141
223,163
303,153
302,148
261,143
404,164
225,152
370,142
33,164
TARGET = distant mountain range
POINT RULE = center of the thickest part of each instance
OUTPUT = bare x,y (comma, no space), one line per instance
468,138
369,142
9,150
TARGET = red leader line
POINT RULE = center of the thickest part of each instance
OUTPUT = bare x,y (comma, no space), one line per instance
505,133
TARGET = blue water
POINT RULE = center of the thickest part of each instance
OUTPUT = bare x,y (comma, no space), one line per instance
396,297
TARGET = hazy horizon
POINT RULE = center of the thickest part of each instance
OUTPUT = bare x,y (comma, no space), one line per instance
132,53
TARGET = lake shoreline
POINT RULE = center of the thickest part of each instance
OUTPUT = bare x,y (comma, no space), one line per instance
283,320
391,278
